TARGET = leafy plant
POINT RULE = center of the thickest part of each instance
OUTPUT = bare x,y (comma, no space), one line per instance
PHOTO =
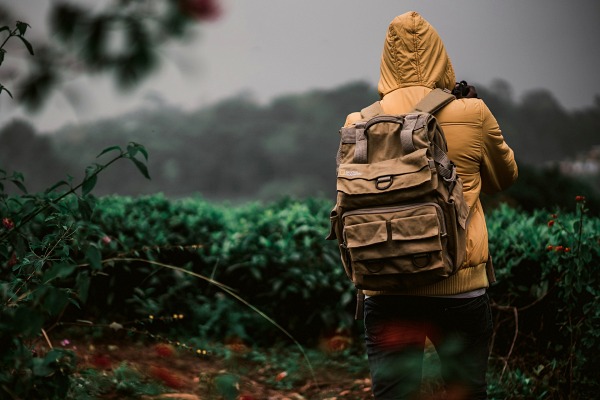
49,249
548,299
18,32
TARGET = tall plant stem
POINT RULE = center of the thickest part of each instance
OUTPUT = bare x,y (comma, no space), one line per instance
230,292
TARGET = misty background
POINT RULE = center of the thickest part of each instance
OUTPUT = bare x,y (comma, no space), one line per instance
247,105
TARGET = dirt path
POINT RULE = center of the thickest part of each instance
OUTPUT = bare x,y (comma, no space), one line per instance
192,375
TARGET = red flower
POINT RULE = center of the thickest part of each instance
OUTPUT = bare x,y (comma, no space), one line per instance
550,247
567,249
550,223
164,350
106,239
12,261
579,199
200,9
8,223
101,361
559,248
166,376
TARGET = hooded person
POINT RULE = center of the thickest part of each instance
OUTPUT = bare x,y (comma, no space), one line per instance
454,314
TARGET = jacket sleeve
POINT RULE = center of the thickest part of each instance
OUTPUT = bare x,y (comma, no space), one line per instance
498,166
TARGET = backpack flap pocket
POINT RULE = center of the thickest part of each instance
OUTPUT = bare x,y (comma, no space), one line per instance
386,182
397,249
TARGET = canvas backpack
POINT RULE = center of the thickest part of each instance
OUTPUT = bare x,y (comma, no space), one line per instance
400,216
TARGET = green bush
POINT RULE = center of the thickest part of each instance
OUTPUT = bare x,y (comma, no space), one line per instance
49,250
547,300
125,259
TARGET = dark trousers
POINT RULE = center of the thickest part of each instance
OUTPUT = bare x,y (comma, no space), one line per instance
395,332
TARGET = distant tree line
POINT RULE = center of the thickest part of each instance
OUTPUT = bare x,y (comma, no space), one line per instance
239,149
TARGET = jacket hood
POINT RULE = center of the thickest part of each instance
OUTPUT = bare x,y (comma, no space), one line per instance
414,55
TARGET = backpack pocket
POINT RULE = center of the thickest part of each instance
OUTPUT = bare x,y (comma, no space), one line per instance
387,182
396,247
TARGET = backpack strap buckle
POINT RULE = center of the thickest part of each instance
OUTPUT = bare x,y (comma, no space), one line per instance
384,182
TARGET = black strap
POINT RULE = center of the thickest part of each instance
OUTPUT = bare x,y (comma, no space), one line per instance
360,305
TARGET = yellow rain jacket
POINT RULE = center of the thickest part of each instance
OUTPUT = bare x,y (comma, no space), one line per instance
414,61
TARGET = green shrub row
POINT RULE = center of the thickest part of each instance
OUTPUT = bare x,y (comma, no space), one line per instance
145,258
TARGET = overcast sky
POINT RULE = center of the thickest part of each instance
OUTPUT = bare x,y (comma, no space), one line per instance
267,48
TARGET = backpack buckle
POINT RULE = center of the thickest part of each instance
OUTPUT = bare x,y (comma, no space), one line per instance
384,182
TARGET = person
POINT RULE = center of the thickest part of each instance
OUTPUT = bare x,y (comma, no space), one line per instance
454,314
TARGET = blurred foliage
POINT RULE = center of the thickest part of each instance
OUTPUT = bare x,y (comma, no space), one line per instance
18,32
122,38
547,301
240,150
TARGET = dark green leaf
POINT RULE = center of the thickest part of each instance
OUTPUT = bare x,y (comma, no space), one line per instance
19,185
82,285
22,27
26,322
4,28
90,180
18,176
84,208
2,53
137,147
27,44
94,257
88,185
59,270
55,300
132,149
56,186
6,90
141,166
106,150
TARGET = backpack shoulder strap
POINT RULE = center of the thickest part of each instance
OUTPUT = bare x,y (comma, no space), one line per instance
371,111
434,101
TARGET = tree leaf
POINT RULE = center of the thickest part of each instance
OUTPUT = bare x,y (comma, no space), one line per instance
22,27
94,257
88,185
58,270
56,186
20,185
82,285
132,149
2,53
27,44
6,90
139,148
84,208
111,148
141,166
90,180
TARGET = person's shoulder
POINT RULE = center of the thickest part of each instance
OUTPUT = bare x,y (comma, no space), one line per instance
462,110
352,118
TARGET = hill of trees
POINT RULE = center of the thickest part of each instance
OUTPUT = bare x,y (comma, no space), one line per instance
239,149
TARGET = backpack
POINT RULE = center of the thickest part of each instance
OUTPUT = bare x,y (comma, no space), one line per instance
400,216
